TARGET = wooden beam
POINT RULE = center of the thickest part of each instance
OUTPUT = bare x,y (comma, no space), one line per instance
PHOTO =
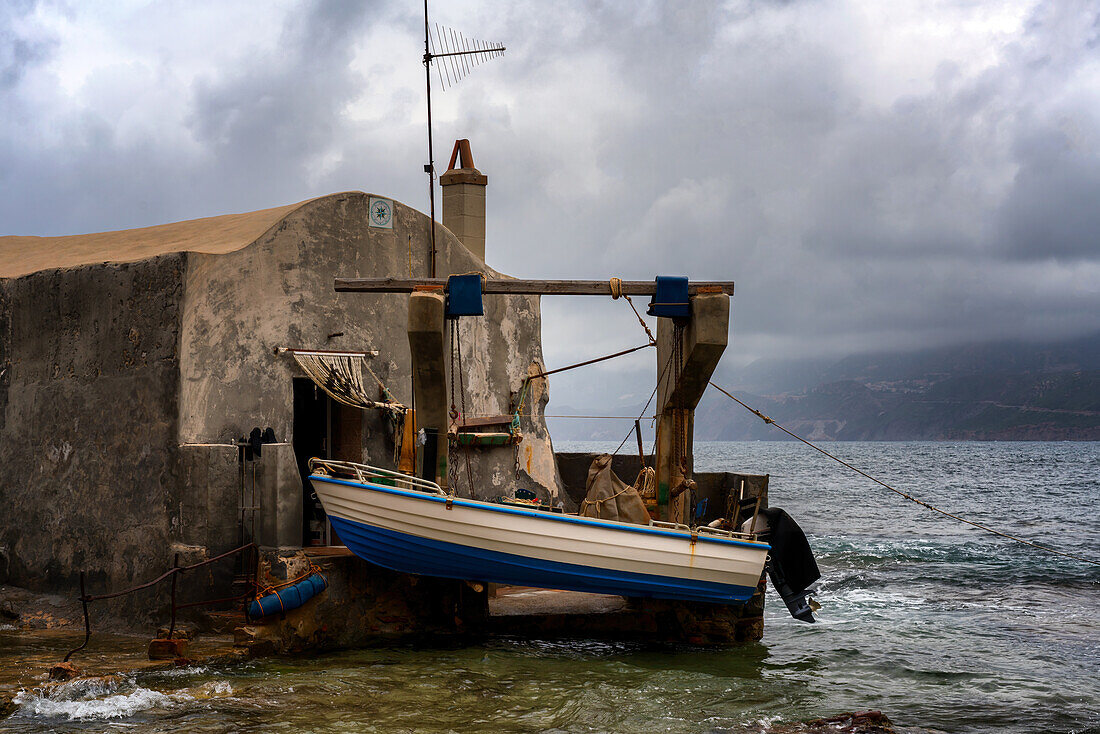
704,339
525,287
492,420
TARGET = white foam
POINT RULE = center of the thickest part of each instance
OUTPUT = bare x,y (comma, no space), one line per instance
213,689
186,671
875,598
766,723
115,706
97,699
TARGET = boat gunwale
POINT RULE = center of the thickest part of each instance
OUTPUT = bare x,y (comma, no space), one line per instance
544,515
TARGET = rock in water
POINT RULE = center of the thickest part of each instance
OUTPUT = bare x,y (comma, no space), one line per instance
862,722
64,671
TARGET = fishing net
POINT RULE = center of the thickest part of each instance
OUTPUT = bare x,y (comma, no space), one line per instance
341,376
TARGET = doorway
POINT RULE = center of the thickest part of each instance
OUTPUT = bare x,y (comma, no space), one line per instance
325,429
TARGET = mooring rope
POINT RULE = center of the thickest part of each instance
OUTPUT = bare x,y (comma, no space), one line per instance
902,494
616,287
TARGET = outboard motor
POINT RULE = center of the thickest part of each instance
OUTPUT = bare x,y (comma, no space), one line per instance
791,564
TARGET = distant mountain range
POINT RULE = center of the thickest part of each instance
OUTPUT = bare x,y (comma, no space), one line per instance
990,391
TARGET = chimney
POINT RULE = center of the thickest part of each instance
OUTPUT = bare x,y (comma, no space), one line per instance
464,199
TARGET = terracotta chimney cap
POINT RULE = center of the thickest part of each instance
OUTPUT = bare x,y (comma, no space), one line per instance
465,173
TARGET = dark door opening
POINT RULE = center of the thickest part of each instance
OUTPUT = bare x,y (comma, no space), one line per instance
325,429
311,439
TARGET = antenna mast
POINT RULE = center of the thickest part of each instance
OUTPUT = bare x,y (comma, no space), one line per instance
430,168
461,54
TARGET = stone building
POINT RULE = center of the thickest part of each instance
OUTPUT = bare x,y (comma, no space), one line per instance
133,363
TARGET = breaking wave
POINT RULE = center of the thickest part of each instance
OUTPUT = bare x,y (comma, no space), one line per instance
109,698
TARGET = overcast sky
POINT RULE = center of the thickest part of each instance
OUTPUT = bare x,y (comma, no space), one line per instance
873,175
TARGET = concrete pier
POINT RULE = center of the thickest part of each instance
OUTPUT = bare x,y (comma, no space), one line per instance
544,613
363,605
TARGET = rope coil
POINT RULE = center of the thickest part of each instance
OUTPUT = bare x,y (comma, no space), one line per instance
646,483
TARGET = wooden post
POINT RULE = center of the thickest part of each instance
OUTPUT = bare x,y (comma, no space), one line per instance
430,367
686,359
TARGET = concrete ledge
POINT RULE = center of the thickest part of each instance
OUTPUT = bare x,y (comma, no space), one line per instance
363,605
543,613
517,601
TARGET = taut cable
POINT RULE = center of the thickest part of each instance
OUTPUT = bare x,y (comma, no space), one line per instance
902,494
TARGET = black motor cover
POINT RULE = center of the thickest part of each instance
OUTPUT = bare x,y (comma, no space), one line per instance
791,564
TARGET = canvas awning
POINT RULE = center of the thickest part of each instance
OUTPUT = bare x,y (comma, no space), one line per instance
340,374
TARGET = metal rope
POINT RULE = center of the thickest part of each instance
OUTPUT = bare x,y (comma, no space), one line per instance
462,398
456,352
646,406
588,362
902,494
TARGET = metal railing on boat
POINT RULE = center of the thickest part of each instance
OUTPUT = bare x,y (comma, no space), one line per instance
372,474
703,530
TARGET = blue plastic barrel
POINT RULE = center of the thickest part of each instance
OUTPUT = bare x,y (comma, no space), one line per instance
289,597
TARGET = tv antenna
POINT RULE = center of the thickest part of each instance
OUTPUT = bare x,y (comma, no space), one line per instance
454,56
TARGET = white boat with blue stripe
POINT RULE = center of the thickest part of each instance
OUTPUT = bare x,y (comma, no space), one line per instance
411,525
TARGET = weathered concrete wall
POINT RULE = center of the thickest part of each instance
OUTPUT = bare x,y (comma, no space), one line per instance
239,307
88,470
122,388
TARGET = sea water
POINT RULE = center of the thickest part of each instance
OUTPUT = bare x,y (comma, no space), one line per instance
942,627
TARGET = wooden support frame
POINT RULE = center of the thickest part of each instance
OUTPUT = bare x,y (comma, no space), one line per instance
526,287
431,371
702,339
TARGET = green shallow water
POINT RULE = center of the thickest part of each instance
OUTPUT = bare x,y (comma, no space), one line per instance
940,627
505,685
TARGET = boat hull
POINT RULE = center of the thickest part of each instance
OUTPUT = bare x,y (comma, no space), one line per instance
421,533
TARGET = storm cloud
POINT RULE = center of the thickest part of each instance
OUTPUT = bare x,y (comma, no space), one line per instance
874,176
